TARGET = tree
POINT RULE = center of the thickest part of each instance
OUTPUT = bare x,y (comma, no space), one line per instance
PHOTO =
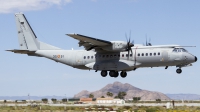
136,99
91,96
64,100
158,100
116,97
53,100
109,94
121,95
102,97
44,100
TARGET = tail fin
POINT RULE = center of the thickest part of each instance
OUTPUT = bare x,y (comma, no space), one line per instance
27,38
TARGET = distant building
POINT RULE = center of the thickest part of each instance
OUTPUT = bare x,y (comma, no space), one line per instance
86,100
104,100
118,101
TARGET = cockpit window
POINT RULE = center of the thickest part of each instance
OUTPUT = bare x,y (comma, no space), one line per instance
184,50
179,50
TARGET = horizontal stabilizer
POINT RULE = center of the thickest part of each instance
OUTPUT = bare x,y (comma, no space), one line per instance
22,51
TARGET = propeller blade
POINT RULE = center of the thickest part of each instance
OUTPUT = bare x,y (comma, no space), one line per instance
129,44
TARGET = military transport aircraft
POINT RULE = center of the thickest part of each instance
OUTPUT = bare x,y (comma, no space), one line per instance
102,55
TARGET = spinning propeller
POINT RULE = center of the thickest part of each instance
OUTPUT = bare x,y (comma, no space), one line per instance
129,44
149,42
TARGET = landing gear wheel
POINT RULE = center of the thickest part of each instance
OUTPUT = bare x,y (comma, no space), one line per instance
116,74
123,74
104,73
112,73
179,71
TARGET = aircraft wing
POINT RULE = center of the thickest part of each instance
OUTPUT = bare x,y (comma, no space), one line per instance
162,46
89,42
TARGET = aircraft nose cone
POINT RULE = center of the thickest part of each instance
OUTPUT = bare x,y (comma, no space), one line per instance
195,58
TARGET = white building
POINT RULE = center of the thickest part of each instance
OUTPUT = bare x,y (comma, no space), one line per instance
118,101
109,101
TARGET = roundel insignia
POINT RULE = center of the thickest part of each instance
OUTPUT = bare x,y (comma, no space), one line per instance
58,56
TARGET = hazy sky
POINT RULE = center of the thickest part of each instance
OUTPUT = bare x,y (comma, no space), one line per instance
164,21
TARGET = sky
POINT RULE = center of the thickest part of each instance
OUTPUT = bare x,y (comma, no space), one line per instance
164,21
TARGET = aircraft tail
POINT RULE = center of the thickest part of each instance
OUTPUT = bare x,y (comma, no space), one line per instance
26,36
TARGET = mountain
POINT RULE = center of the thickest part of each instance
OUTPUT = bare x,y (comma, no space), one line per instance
130,90
30,97
184,96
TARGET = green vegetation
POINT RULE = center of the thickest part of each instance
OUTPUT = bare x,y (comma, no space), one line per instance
102,96
121,95
54,100
136,99
64,100
96,108
91,96
109,94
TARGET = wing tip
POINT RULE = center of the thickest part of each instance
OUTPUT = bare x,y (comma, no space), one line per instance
70,34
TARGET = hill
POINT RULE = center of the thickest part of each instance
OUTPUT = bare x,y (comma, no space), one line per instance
129,89
184,96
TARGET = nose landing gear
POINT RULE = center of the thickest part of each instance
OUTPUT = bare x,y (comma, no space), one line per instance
179,71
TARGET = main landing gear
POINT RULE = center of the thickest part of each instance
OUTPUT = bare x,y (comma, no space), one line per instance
113,73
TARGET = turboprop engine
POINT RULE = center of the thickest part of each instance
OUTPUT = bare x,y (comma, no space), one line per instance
118,46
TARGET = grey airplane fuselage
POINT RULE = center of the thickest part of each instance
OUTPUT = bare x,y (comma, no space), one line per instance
152,57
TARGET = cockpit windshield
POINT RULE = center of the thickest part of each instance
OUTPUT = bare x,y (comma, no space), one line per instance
179,50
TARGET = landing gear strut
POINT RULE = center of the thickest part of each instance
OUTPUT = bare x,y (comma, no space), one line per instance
104,73
123,74
178,71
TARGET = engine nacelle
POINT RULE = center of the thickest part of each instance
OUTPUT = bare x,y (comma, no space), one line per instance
116,46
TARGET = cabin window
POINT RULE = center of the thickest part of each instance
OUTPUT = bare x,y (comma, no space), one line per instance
122,55
126,55
88,57
103,56
154,54
146,54
138,54
158,53
107,56
111,56
115,55
118,55
92,57
84,57
131,55
150,54
142,54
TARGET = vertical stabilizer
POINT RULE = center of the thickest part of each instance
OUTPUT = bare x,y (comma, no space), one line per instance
26,36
